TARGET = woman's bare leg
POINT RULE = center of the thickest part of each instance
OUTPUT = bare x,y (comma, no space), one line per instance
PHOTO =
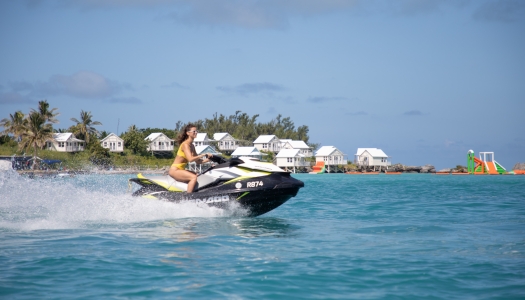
184,176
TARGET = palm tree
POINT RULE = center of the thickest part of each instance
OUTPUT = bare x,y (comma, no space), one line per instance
43,109
14,124
85,126
103,134
36,132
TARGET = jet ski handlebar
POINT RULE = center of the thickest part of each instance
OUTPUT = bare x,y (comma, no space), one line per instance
215,158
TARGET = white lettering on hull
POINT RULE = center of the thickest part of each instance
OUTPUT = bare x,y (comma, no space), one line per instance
252,184
213,199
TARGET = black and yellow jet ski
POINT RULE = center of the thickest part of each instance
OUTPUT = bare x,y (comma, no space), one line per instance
256,186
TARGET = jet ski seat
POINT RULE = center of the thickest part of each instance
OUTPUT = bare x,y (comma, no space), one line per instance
173,185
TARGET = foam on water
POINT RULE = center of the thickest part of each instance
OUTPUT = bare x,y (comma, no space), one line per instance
387,237
67,203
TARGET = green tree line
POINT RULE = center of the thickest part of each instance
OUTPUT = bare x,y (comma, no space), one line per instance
241,126
30,132
246,128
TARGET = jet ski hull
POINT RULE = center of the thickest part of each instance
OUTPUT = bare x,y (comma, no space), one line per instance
258,195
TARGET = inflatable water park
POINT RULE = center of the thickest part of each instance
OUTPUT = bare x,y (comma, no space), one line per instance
319,168
486,165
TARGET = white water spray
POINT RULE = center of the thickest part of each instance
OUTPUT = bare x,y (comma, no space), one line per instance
83,201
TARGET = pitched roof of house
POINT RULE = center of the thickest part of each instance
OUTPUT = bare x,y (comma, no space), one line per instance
298,144
155,135
375,152
65,136
289,153
220,135
246,151
109,135
325,151
264,139
201,136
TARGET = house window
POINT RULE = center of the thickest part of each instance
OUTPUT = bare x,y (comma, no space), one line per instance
265,146
171,143
119,144
105,144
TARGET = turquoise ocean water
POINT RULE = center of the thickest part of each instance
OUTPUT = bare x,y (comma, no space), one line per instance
343,237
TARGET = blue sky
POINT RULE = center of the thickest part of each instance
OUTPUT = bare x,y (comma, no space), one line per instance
423,80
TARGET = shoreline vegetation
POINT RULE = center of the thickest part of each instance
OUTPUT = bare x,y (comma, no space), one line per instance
27,135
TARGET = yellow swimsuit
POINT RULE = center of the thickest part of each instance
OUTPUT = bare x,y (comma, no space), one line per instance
180,166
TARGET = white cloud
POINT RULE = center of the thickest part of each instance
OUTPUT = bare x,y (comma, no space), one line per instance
14,98
102,4
358,113
84,85
125,100
247,89
236,13
501,11
276,14
413,113
325,99
175,85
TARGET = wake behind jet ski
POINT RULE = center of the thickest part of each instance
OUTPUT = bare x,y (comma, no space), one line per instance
256,186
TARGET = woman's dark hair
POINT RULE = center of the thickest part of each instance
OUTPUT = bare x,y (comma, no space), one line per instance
183,135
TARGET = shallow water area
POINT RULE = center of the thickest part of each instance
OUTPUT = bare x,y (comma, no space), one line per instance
342,236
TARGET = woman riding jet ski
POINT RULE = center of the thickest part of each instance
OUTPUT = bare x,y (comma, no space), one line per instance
256,186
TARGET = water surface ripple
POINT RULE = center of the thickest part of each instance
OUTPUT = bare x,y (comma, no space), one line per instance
343,236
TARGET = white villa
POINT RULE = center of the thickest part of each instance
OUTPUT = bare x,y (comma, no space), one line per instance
301,145
331,156
225,142
201,139
159,142
290,159
65,142
371,157
247,151
268,143
113,142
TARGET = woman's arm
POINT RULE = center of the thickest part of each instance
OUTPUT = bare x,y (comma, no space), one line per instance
190,155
